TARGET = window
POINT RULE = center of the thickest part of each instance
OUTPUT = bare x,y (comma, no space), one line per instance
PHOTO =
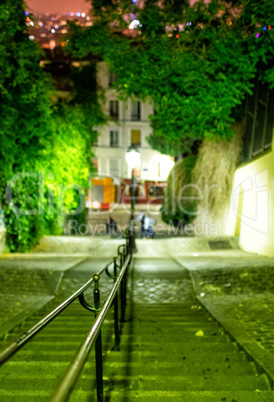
95,136
114,109
114,138
112,78
114,167
136,111
136,138
259,121
155,191
95,164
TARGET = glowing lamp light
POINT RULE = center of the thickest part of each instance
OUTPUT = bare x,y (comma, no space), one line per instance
53,30
177,36
257,36
78,14
83,15
269,27
26,13
96,205
264,28
134,24
133,157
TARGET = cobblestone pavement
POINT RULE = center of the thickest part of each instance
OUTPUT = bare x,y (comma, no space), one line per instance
255,313
241,286
172,285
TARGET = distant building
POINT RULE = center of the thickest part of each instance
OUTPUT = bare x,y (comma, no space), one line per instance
128,125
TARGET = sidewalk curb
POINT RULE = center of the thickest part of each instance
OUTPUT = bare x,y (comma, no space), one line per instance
263,359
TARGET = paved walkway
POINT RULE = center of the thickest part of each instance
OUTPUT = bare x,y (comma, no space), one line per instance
240,286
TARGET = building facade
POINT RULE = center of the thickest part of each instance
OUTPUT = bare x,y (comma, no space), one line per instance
128,126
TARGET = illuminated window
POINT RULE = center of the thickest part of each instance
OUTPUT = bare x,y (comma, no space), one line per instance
136,111
114,109
136,138
114,138
259,121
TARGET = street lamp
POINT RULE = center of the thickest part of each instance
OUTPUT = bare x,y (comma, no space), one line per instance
133,158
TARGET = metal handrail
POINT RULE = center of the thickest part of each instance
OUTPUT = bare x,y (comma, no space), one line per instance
14,346
68,382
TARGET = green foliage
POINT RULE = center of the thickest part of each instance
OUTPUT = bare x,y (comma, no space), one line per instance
66,163
197,75
179,207
23,222
72,139
24,102
45,148
25,113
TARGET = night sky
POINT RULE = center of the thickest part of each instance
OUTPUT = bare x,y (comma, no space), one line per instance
58,6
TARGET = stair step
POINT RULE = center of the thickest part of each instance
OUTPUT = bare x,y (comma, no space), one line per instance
147,382
146,357
180,341
144,396
191,346
131,368
190,356
182,383
201,344
177,396
148,338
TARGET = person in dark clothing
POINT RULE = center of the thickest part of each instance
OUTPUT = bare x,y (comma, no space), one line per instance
142,229
111,226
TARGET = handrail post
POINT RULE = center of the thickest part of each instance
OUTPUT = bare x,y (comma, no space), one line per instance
123,289
127,241
125,279
98,342
116,310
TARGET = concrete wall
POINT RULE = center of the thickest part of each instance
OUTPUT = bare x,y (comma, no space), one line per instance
251,212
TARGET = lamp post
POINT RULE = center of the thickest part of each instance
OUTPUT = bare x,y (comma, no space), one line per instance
133,158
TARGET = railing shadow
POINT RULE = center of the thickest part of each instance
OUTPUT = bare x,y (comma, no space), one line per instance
128,325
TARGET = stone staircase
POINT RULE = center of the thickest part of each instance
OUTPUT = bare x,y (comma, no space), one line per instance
177,352
171,349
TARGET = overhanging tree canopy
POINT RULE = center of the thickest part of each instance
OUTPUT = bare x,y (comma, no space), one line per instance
196,62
